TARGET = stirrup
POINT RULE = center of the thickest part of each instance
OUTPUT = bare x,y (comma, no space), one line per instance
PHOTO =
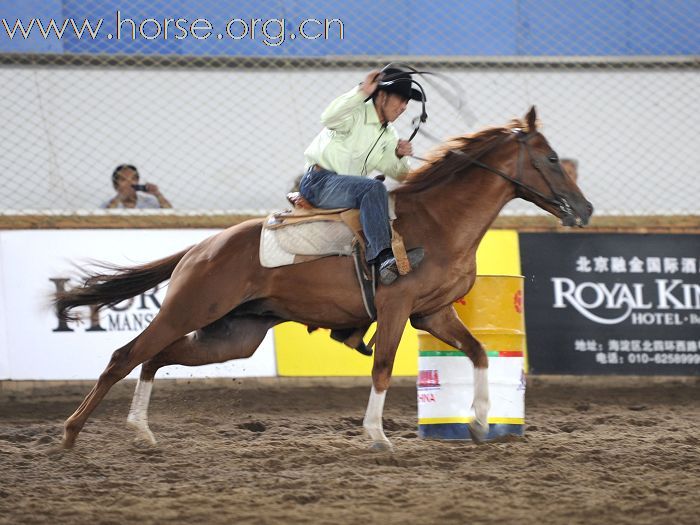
388,270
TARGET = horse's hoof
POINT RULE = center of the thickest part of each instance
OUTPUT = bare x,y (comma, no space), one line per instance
147,437
143,433
478,431
364,349
67,443
55,450
382,446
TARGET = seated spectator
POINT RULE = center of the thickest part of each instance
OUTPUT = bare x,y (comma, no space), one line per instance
131,194
570,168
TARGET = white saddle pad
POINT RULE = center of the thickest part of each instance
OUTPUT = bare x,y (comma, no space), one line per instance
278,247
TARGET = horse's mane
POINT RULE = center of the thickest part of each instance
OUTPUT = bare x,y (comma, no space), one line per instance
441,166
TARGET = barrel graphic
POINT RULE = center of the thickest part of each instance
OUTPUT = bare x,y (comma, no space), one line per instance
493,312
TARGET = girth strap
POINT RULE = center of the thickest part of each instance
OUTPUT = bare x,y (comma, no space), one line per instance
368,283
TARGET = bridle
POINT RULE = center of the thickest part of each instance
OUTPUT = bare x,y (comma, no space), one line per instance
523,139
521,136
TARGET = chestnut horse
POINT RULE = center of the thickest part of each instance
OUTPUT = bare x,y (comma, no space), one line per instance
221,302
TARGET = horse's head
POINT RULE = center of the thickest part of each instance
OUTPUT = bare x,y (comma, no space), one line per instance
541,179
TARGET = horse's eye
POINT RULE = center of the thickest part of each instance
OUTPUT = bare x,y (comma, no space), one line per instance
553,158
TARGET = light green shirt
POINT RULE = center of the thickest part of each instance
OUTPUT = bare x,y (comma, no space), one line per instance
352,127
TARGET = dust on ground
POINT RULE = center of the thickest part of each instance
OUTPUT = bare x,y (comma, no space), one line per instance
596,450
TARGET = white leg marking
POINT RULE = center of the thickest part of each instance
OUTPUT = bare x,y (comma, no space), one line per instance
373,420
138,414
481,404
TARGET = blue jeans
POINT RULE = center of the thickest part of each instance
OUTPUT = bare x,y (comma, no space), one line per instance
326,189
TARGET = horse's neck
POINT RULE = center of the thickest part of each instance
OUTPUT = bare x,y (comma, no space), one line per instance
462,210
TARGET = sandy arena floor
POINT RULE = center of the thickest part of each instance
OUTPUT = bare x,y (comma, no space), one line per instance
601,451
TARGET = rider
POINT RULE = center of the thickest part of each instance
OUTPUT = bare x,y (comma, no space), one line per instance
358,138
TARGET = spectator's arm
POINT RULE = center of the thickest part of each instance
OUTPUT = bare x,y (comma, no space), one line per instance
162,201
113,202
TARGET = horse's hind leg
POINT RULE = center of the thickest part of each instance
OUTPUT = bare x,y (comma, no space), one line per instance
353,337
446,326
226,339
157,336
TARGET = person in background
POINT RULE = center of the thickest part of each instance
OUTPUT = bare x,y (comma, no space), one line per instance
570,168
131,194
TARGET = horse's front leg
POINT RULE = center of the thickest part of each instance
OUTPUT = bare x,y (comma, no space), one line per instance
446,325
391,321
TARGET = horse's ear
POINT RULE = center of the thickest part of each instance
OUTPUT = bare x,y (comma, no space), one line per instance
531,119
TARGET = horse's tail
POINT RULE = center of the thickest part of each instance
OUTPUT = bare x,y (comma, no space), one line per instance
108,289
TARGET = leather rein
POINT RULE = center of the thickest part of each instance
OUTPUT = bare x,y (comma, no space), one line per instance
523,146
522,138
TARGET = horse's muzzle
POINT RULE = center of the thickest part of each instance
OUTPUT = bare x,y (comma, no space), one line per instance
577,213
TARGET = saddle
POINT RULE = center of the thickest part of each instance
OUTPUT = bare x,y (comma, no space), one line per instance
306,233
303,235
304,213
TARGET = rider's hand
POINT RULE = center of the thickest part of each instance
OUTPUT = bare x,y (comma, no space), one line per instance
371,81
404,148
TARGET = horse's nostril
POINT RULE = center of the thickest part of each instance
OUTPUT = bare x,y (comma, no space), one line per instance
589,207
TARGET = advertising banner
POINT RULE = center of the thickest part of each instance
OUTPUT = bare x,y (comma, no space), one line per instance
4,358
302,354
612,303
34,344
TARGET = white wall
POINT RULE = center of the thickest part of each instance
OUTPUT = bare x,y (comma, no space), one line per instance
29,346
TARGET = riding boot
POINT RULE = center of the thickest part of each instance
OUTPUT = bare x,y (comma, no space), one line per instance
388,268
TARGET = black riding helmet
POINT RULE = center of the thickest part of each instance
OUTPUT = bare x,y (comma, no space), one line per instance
396,81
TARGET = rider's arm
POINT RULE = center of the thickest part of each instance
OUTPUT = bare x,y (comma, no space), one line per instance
339,115
397,169
391,165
